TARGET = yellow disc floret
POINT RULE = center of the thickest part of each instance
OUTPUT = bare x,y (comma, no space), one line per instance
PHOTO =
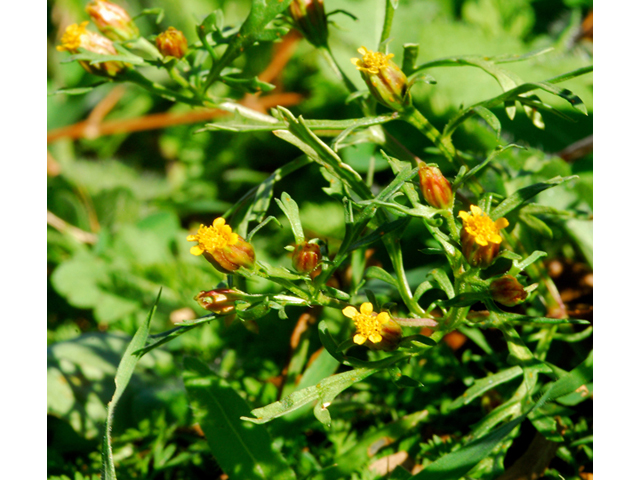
368,323
480,226
212,238
371,62
72,38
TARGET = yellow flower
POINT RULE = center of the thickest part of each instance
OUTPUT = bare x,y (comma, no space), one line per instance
385,80
480,226
212,238
225,250
368,323
77,36
371,62
73,37
480,237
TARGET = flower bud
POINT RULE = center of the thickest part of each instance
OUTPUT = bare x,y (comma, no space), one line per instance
310,19
507,291
386,81
480,237
220,301
172,43
306,257
436,189
377,331
77,36
225,250
112,20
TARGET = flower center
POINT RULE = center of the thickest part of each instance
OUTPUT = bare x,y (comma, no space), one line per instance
373,62
480,226
212,238
72,38
368,326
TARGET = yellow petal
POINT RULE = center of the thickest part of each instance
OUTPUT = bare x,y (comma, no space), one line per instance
495,238
192,238
362,50
349,312
355,61
218,222
463,215
475,210
383,317
481,241
502,223
196,250
366,308
359,339
233,238
375,338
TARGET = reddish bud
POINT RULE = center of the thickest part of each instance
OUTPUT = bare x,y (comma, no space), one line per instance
306,257
112,20
311,20
436,189
172,43
220,301
507,291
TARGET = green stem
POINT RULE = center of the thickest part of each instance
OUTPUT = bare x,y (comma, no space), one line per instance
395,254
134,77
419,121
388,21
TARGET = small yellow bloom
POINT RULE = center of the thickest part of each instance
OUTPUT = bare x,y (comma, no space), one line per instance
215,237
480,226
480,237
368,323
225,250
371,62
77,36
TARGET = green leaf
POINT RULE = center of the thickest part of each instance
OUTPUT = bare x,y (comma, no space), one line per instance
243,450
537,225
357,457
262,12
77,90
380,274
485,384
123,375
518,198
324,393
489,117
386,229
442,279
290,209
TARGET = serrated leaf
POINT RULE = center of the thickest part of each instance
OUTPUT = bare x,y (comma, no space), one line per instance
244,451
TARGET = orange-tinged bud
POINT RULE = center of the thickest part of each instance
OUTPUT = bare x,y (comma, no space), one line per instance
480,237
311,20
220,301
507,291
306,257
386,81
77,36
225,250
112,20
172,43
435,188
